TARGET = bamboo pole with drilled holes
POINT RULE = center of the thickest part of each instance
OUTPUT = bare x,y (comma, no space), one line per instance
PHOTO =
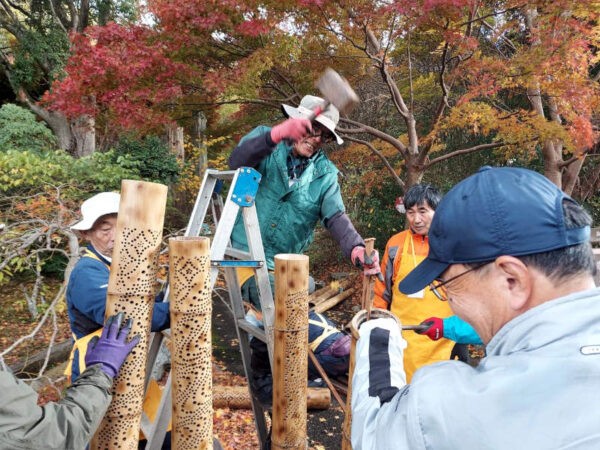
131,289
191,373
290,359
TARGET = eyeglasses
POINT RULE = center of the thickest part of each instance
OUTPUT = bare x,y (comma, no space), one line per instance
321,132
439,289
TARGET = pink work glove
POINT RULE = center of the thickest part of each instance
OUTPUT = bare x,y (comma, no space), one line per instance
370,264
293,129
435,328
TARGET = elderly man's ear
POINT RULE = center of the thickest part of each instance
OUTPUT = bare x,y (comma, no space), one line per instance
517,281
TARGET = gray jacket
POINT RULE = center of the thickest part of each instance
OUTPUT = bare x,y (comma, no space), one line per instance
538,387
66,425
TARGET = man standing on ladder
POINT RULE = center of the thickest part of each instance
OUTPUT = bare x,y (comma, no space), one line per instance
299,187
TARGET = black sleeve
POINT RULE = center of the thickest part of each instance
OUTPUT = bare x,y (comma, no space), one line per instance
250,152
344,233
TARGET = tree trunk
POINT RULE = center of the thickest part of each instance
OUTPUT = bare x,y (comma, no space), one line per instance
570,175
58,123
200,142
78,137
175,141
414,172
552,152
84,135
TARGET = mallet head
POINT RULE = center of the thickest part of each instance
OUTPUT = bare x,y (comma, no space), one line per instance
337,91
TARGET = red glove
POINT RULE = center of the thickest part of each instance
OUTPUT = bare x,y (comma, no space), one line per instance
370,264
293,129
435,328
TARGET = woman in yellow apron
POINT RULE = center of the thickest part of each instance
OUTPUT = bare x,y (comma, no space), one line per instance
403,252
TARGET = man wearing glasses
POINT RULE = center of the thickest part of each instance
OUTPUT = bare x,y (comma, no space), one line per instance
403,252
299,186
511,254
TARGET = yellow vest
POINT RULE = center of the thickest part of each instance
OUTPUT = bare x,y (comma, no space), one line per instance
413,309
153,391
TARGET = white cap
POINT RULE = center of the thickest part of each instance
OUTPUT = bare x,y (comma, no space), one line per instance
309,103
95,207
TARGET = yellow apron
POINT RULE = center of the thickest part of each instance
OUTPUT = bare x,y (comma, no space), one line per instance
413,309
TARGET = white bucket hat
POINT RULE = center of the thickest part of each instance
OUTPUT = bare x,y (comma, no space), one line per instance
95,207
309,103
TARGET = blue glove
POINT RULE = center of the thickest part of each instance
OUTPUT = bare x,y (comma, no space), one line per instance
111,349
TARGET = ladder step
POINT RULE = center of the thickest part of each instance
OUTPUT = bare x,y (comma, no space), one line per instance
253,330
221,174
236,263
237,253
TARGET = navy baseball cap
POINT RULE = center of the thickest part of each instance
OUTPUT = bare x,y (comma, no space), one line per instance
497,211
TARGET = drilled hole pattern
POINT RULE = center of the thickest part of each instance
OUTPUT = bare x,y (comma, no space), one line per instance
191,309
292,362
132,291
137,262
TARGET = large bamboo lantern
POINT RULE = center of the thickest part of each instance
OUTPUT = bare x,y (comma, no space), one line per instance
191,373
131,289
290,361
358,319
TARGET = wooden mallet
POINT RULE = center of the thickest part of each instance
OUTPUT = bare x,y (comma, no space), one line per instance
336,91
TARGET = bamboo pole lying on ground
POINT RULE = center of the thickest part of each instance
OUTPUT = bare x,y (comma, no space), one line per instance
191,373
290,360
328,291
131,289
331,302
238,397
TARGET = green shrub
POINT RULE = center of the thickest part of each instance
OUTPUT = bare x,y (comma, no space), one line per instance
155,161
23,172
19,130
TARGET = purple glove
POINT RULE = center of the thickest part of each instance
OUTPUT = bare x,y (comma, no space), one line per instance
111,349
435,328
293,129
370,264
340,347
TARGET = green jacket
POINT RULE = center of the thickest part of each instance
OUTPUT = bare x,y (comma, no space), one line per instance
288,214
66,425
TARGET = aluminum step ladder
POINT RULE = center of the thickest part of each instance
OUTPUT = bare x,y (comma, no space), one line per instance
241,195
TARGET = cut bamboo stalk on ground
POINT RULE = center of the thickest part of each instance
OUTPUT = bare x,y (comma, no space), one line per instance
131,289
238,397
333,289
331,302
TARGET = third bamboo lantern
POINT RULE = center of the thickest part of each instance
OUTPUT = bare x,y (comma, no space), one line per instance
290,361
191,373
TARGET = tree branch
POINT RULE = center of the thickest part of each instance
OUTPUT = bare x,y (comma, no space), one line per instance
464,151
380,155
362,128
